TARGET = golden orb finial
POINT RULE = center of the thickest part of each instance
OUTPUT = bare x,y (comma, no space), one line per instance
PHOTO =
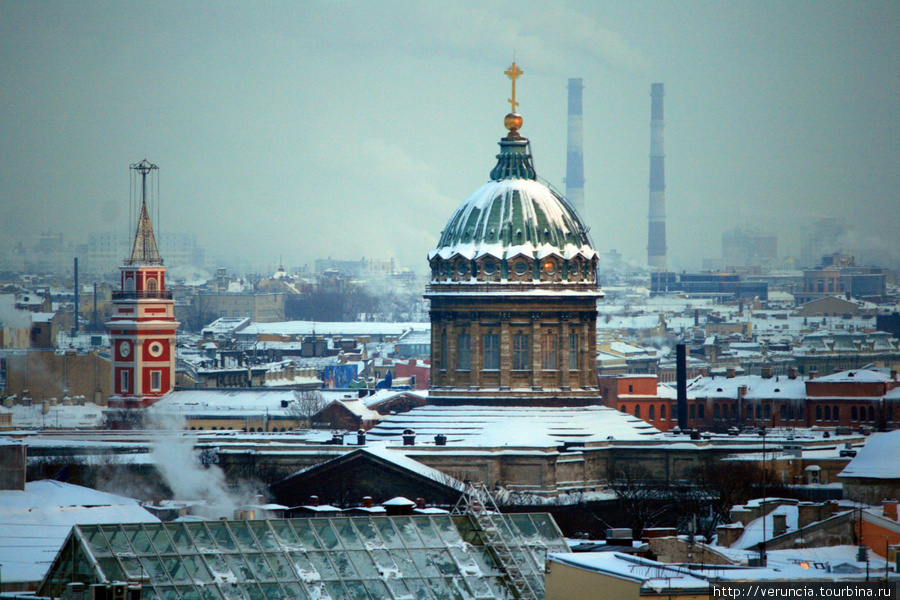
513,122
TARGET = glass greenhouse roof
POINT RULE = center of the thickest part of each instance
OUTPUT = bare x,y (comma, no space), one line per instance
413,557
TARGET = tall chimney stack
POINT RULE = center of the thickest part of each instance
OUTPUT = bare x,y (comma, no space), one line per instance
575,149
656,236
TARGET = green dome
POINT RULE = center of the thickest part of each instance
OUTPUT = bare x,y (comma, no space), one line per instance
514,215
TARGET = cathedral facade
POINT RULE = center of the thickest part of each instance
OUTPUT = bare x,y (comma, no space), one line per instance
513,294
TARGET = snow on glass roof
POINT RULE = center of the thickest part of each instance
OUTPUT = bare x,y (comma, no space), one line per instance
360,557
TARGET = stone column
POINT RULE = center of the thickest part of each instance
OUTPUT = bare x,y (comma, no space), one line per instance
505,351
477,350
564,344
536,358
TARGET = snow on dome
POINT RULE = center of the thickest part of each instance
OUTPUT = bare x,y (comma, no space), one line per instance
514,216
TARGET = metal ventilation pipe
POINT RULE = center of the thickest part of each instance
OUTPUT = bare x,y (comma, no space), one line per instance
656,233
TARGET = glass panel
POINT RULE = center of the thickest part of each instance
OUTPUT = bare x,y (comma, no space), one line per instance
322,565
377,590
160,539
118,541
447,530
317,590
428,533
384,563
254,592
303,529
295,591
457,588
342,564
272,591
483,560
479,587
221,571
388,533
443,562
111,569
325,532
202,539
498,586
399,589
356,590
264,535
132,567
348,536
281,568
167,593
419,589
241,533
134,534
96,540
368,534
149,593
155,570
180,537
408,532
336,590
222,536
303,568
259,566
175,567
464,561
422,559
239,567
546,528
364,564
208,592
188,592
283,533
524,526
232,591
405,563
196,570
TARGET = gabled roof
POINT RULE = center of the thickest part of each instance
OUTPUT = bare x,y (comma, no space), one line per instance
877,459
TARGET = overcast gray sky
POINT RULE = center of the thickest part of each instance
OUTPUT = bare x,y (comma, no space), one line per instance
349,129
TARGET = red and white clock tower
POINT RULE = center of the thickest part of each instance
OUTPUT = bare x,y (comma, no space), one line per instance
142,328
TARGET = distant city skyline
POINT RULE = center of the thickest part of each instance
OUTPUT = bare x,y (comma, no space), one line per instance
315,129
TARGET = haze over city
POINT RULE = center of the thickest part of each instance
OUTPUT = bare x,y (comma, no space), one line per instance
313,129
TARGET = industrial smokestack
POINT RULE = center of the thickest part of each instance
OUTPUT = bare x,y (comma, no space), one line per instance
575,149
656,237
77,298
681,384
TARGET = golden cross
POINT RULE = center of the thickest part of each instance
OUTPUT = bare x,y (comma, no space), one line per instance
512,73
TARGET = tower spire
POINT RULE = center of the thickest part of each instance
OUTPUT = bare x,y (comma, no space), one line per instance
144,249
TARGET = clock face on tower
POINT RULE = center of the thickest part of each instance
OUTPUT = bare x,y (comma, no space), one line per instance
124,349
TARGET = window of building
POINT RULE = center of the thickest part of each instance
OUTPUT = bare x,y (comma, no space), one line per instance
827,411
124,382
637,411
767,411
549,352
623,409
651,413
871,414
716,415
662,412
491,344
465,352
445,360
889,413
155,381
818,413
573,351
152,285
630,389
692,412
836,414
854,415
701,409
783,412
520,352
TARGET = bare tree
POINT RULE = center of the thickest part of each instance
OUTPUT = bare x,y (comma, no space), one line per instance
306,404
643,499
123,418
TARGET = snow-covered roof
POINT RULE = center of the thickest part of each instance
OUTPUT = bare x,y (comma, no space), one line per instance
856,376
34,523
483,426
877,459
353,328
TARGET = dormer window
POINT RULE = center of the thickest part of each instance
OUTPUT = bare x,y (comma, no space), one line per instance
520,268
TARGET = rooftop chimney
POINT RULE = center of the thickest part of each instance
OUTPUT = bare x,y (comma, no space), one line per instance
889,509
409,437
